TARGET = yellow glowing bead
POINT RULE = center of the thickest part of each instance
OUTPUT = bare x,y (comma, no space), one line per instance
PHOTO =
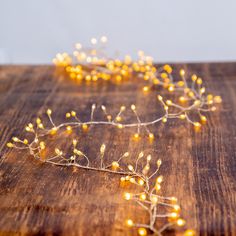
182,116
203,119
142,231
151,136
102,148
73,113
68,68
15,139
189,232
103,108
109,117
159,97
68,115
197,103
72,75
141,154
164,75
130,167
209,97
217,99
49,112
145,89
79,77
173,199
171,88
199,81
194,77
119,118
159,162
58,152
149,157
142,196
42,145
85,127
186,90
40,126
88,77
167,68
68,128
115,165
122,179
94,78
157,187
30,125
27,129
25,141
36,140
197,124
154,199
53,130
129,223
74,142
120,126
126,154
127,196
169,102
118,78
10,145
191,94
122,108
160,179
182,99
182,72
127,178
156,81
164,119
176,208
141,182
202,90
180,83
132,180
136,136
180,222
133,107
146,77
213,109
174,215
38,121
77,152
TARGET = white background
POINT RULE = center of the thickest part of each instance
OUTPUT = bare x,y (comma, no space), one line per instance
169,30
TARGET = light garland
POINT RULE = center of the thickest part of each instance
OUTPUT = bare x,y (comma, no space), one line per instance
94,65
148,197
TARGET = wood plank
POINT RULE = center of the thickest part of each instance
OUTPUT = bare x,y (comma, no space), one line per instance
198,168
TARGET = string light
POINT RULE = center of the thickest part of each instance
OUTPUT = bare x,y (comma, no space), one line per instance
138,173
92,65
150,200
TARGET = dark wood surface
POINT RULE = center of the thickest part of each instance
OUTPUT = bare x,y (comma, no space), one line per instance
198,168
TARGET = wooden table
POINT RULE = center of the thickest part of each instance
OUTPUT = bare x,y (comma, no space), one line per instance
198,168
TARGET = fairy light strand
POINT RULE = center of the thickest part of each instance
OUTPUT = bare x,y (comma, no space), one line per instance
148,197
92,64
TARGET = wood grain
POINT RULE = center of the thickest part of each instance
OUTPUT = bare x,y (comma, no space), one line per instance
40,199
